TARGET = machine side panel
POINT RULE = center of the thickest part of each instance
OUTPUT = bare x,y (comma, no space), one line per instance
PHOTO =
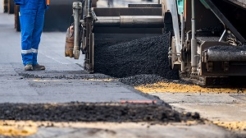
235,16
58,16
204,17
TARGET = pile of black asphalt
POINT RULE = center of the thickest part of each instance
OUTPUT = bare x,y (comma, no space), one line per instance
94,112
144,56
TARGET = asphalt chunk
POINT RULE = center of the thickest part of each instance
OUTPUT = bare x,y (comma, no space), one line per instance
141,79
94,112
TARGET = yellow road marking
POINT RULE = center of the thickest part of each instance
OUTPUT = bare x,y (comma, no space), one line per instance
183,88
12,128
238,126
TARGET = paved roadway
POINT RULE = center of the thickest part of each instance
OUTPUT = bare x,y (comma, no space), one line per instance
18,86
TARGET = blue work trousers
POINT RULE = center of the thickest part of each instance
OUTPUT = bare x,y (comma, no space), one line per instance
31,21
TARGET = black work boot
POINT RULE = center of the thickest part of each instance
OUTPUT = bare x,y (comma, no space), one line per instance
38,67
28,67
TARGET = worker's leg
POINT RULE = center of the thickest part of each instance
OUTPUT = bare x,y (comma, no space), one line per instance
27,18
37,32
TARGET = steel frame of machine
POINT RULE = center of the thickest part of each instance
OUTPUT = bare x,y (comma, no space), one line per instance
196,59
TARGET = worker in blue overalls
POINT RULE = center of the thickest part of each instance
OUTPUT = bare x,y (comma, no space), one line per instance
32,14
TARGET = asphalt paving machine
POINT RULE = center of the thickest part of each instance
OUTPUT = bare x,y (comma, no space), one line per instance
207,36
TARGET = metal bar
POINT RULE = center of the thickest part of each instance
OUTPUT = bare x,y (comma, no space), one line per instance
182,29
182,41
107,22
130,21
193,40
77,9
222,36
92,52
142,21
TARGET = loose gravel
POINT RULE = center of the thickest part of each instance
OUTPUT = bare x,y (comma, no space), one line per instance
91,112
142,79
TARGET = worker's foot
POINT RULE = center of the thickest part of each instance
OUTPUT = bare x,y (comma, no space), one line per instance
28,67
39,67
